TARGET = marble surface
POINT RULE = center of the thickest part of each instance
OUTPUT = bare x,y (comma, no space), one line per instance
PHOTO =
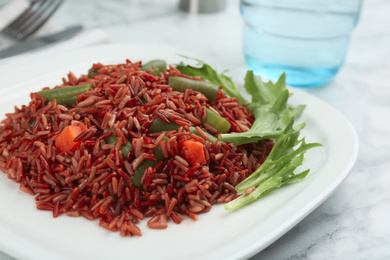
354,222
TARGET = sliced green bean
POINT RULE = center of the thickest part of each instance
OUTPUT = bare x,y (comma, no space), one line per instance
136,178
212,119
92,72
160,125
31,123
157,66
125,148
68,101
206,88
211,137
65,95
143,100
216,121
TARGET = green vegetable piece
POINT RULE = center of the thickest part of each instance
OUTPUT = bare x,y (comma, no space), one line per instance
68,101
112,138
216,121
276,171
66,95
125,148
159,125
157,66
31,123
211,137
180,84
143,100
136,178
92,72
269,106
206,72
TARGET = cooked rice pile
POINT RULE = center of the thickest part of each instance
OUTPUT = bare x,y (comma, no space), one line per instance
93,181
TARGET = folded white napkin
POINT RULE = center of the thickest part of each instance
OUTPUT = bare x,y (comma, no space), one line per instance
82,39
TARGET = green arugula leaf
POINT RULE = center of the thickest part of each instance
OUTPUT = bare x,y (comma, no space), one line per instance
263,93
276,171
269,106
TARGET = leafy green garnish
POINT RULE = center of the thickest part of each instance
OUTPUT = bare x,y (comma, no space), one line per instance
276,171
274,119
269,106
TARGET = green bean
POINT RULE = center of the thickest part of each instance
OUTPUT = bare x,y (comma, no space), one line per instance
66,95
206,88
136,178
160,125
92,72
216,121
144,100
125,148
157,66
211,137
68,101
212,119
31,123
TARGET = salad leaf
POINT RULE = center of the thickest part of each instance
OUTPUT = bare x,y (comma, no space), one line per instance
263,93
276,171
269,106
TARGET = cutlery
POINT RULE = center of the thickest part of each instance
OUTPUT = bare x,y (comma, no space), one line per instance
28,22
39,42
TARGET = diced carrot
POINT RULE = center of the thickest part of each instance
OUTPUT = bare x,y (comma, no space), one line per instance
193,152
64,141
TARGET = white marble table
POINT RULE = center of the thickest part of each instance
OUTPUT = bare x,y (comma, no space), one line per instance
354,222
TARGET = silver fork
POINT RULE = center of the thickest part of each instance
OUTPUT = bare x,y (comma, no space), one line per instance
28,22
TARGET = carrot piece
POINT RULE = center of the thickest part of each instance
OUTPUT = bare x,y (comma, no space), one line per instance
193,152
64,141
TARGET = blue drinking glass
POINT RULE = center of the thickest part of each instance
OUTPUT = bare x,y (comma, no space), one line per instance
306,39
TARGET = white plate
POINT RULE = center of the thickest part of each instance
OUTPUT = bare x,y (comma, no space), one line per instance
27,233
